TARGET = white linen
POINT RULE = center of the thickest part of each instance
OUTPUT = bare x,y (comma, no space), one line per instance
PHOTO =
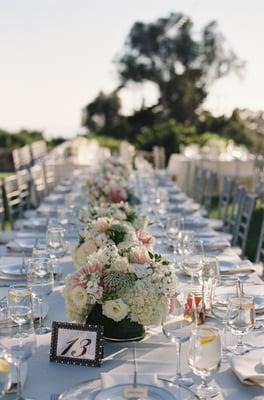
249,368
111,379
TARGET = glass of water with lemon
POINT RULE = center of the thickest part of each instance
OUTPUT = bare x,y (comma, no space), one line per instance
20,304
241,320
204,357
5,375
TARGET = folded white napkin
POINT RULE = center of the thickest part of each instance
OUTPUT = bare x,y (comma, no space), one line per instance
249,368
109,379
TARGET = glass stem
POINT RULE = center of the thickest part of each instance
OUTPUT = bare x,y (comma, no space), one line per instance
224,336
18,373
41,312
174,254
240,341
178,359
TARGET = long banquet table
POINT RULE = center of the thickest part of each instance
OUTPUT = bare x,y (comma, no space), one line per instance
155,355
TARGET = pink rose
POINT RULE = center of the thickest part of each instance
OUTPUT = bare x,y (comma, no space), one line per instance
145,238
80,277
118,194
102,224
139,255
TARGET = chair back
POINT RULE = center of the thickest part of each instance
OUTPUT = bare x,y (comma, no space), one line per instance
209,187
236,205
50,175
23,181
2,208
12,196
199,183
244,218
38,183
38,150
225,199
159,157
260,249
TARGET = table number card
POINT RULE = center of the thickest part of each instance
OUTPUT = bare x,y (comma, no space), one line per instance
76,344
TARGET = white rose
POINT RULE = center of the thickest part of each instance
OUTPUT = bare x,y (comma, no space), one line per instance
115,309
79,296
81,253
139,269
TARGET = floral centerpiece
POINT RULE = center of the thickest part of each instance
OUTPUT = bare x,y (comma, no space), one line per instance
122,289
105,231
121,212
110,184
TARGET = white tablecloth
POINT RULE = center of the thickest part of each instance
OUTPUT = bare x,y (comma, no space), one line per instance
184,168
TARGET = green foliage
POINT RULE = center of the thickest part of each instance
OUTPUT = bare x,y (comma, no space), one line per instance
118,281
117,233
14,140
107,141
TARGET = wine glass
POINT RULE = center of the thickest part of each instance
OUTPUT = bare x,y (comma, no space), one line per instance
241,320
19,304
193,262
19,347
56,245
172,229
5,374
204,357
208,277
40,280
174,328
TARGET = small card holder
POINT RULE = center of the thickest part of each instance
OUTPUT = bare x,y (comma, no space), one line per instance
76,344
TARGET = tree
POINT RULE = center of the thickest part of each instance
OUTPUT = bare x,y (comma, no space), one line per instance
165,52
102,114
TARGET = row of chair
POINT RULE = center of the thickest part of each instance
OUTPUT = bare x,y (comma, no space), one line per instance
26,189
235,209
29,155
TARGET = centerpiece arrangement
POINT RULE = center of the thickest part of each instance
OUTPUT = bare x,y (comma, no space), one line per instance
119,282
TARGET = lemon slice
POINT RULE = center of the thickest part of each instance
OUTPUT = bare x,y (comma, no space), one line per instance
4,366
211,337
248,306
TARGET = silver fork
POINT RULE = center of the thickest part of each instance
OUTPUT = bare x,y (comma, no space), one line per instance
54,396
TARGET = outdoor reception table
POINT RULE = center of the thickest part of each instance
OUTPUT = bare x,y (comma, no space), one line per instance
45,378
184,169
155,354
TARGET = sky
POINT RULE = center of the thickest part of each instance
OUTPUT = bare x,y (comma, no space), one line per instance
56,55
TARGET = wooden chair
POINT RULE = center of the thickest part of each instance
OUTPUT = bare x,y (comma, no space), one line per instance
2,208
208,191
224,201
159,157
244,218
38,150
12,195
260,249
23,180
50,175
16,159
236,205
199,182
38,184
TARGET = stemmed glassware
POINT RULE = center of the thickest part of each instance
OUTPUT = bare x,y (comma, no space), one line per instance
174,327
20,304
19,344
204,357
56,245
5,375
193,262
208,277
241,320
40,280
173,226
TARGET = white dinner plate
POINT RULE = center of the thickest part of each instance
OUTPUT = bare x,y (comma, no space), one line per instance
13,270
90,390
151,393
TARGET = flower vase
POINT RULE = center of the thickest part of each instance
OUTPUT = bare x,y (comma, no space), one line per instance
121,331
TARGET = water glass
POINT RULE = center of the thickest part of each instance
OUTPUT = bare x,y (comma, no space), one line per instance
174,327
5,374
18,347
208,277
204,357
173,226
241,320
20,304
55,241
193,262
40,280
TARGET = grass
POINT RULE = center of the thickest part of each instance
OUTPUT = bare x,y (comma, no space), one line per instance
5,174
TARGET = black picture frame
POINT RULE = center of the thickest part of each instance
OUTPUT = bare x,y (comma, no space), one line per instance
68,326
